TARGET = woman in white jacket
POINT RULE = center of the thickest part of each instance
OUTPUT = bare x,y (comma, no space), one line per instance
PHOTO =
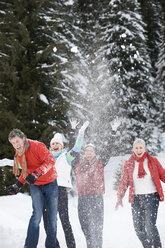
63,161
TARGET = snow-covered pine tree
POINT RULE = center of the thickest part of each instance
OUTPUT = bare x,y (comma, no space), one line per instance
160,81
130,63
151,15
89,78
68,57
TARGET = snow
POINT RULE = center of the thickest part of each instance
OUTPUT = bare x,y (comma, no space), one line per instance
55,49
5,161
118,227
44,98
74,49
69,2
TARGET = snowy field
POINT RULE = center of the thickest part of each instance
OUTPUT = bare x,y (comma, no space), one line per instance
15,212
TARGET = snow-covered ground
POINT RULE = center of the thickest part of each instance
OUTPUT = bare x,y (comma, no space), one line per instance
15,212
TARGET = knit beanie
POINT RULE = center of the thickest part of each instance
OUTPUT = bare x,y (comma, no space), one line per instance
91,145
141,141
57,138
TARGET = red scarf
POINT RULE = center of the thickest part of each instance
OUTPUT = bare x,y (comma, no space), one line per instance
141,170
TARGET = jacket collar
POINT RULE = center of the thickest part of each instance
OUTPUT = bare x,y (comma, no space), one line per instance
27,144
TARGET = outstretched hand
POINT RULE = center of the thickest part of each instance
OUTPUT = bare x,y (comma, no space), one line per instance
74,123
115,124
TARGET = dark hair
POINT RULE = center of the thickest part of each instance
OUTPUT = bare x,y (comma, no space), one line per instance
14,133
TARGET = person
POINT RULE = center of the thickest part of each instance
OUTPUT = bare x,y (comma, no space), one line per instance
63,166
143,174
39,172
90,186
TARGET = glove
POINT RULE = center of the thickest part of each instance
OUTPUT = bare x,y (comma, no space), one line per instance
32,178
83,128
119,203
115,124
14,189
74,123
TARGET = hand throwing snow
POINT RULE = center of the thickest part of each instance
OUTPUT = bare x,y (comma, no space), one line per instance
115,124
74,123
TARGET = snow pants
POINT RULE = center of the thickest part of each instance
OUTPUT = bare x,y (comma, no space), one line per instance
91,217
144,213
64,217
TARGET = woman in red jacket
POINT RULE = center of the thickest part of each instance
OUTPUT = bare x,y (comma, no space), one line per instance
90,187
142,173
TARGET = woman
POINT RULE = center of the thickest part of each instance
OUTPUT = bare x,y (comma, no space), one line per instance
90,186
63,161
143,173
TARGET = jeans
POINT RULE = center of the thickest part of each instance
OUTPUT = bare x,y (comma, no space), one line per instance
43,193
144,213
64,217
91,217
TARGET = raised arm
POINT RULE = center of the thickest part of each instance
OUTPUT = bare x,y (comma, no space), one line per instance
71,155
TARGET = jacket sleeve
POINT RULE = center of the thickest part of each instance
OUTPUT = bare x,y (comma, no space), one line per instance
161,170
74,152
46,158
21,179
124,182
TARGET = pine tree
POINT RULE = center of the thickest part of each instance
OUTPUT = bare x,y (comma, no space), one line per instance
29,100
29,96
118,84
131,66
88,75
151,14
160,81
154,15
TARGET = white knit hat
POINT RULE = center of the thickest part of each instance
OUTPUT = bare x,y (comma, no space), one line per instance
141,141
91,145
57,138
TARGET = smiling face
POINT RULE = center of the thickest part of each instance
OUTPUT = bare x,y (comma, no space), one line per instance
139,149
18,143
89,153
56,147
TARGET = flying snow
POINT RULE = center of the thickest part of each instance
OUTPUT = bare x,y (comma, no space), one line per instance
44,98
74,49
54,49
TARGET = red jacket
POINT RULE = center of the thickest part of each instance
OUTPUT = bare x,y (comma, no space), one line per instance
90,177
157,173
38,156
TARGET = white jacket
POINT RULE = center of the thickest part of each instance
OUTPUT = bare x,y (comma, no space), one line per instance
63,171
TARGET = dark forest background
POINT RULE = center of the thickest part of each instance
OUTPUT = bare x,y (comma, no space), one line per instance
91,60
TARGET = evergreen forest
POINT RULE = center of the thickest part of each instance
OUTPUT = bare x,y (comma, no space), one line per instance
84,59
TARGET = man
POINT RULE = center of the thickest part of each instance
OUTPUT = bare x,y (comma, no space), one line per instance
39,172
